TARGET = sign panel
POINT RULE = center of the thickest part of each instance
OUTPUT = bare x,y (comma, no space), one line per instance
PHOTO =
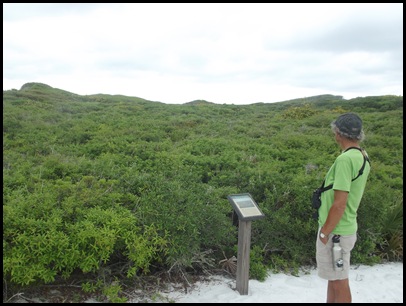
245,206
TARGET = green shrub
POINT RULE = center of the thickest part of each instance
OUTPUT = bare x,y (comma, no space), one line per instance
97,183
258,270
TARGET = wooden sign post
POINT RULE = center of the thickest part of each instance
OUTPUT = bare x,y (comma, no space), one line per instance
243,256
247,210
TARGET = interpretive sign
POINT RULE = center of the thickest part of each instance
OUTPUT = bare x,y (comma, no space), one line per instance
247,210
245,206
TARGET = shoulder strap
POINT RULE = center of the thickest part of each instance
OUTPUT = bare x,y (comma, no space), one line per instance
359,149
360,172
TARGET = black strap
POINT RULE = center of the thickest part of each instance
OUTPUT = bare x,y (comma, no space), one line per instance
360,172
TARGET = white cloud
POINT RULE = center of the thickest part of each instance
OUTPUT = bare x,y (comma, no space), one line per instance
224,53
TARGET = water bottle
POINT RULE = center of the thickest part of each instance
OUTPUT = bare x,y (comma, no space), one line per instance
338,261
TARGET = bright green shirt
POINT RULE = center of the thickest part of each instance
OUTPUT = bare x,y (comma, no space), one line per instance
345,168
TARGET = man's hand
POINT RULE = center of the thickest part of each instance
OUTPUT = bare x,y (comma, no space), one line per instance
323,238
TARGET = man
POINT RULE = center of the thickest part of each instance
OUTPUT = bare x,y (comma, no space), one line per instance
339,205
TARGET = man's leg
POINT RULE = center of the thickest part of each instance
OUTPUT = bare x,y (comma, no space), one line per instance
338,291
330,293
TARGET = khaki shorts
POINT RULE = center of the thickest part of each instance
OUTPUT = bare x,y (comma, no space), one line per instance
324,257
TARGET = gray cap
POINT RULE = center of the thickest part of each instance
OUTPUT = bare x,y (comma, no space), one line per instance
349,124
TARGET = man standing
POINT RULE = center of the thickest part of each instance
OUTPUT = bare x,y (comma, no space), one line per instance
339,204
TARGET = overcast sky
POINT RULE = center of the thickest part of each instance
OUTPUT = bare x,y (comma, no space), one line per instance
222,53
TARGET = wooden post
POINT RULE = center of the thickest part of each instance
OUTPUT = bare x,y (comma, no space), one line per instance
247,210
243,256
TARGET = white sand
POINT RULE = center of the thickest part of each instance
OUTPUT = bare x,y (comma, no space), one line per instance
381,283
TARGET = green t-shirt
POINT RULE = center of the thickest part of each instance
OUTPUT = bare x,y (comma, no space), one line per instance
345,168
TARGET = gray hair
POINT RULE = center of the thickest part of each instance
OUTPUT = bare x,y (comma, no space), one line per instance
359,137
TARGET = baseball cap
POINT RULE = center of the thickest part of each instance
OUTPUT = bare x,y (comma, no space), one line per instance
349,124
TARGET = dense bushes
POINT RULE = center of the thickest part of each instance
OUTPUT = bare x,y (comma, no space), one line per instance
96,182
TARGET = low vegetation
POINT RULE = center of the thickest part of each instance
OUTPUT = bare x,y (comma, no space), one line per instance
115,189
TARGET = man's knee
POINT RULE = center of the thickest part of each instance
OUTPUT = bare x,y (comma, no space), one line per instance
339,283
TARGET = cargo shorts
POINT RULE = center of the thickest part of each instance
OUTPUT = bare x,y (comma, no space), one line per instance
324,256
